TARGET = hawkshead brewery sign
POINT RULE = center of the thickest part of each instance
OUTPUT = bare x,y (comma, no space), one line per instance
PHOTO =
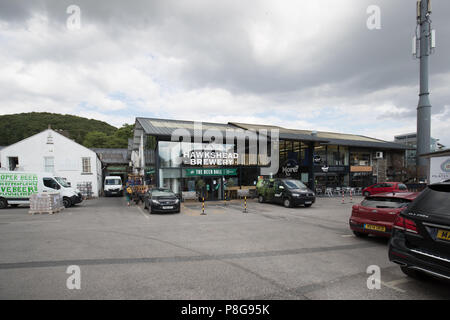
210,158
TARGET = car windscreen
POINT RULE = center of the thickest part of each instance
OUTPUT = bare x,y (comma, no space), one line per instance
385,202
294,184
162,193
434,199
62,182
111,182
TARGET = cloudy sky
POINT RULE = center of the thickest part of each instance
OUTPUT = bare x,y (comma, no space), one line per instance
299,64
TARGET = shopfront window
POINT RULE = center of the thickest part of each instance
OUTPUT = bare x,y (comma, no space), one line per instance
333,156
343,155
320,155
169,154
360,158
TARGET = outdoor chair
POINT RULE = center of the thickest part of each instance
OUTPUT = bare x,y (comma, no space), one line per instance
329,192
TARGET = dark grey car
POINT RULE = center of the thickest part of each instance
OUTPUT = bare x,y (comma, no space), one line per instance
162,201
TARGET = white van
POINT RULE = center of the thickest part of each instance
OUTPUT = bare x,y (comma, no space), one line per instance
17,187
113,186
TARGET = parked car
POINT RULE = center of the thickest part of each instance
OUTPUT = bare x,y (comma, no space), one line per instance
384,187
113,186
420,241
161,200
376,214
288,192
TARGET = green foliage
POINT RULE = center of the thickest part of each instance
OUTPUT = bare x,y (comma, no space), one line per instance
89,132
200,184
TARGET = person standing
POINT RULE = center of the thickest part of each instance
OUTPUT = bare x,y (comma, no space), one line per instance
128,192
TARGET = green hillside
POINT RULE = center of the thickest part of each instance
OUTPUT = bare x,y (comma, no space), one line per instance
89,132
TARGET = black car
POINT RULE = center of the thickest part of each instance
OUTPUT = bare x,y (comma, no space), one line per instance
420,241
161,200
289,192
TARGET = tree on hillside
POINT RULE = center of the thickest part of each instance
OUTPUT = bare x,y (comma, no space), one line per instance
96,139
89,132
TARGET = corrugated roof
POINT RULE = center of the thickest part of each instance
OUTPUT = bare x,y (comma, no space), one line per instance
326,137
112,155
165,127
284,133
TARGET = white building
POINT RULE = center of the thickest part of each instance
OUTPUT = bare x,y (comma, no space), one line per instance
49,151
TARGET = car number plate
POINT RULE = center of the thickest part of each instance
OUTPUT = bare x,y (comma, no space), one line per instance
167,207
308,202
443,235
373,227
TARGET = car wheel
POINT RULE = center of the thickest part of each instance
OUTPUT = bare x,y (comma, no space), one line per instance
412,273
287,203
366,194
360,234
3,203
261,199
66,202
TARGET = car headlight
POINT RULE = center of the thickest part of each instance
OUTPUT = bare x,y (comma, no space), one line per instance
296,195
155,201
177,200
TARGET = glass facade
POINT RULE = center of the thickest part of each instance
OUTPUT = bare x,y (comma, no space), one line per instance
176,158
211,170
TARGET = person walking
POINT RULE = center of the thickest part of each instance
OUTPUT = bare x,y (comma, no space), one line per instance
128,193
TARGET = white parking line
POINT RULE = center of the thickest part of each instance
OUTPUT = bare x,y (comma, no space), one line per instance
393,284
143,213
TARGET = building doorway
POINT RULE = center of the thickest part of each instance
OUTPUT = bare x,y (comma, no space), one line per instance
213,187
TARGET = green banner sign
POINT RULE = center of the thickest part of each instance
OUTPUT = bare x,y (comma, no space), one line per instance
210,172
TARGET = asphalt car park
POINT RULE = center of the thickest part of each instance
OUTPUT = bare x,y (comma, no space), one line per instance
267,252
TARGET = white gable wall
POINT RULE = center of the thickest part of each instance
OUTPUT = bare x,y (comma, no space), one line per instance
67,155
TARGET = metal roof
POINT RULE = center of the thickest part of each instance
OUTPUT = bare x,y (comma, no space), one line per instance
111,155
284,133
331,138
439,153
165,128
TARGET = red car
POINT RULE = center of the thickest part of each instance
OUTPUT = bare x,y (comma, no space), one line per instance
376,214
383,187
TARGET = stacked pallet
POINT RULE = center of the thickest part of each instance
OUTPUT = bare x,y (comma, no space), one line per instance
46,203
85,189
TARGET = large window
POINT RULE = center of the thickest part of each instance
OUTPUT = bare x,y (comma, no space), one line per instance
360,158
320,155
343,155
333,156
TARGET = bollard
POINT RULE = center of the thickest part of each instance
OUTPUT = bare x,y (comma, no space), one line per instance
245,204
351,196
343,195
203,206
225,202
